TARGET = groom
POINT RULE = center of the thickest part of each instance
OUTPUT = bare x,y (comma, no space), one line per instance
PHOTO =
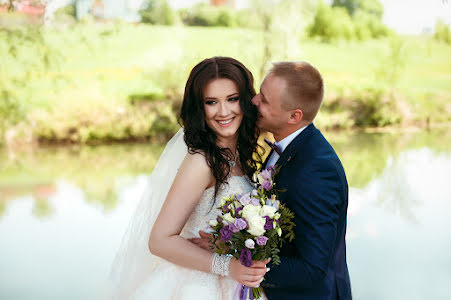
313,266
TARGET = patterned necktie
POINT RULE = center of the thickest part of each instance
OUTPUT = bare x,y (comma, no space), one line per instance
274,147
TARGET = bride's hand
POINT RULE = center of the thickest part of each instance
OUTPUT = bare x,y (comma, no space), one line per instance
248,276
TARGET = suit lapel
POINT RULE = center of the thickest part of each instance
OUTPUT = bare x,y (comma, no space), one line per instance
296,146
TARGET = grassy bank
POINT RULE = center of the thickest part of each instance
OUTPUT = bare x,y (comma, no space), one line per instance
118,82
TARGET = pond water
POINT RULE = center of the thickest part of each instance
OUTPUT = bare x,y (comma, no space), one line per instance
63,211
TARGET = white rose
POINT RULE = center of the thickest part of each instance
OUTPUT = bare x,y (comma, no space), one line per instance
268,211
250,211
249,243
228,217
213,223
256,225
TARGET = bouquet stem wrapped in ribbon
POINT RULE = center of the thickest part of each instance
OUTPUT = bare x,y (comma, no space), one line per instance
253,226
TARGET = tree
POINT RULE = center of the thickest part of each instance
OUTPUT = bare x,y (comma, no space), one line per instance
331,23
282,23
157,12
442,32
373,7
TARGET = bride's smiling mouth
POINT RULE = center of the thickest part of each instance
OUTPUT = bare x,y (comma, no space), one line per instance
225,123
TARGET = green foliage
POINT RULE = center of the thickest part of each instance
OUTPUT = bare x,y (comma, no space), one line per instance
158,12
11,111
15,52
338,22
331,23
367,25
47,72
392,65
248,18
68,10
206,15
104,123
372,108
373,7
367,107
442,32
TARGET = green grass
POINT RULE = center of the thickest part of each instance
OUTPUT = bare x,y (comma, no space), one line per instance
91,66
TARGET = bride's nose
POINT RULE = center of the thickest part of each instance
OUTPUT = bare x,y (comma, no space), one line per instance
224,109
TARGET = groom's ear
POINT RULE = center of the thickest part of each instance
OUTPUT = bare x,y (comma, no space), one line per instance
295,116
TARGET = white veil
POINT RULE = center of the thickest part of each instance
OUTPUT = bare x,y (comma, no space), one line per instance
133,261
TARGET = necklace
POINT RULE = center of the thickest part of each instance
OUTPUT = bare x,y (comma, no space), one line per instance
232,163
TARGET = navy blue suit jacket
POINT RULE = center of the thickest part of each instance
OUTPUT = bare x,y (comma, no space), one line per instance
313,266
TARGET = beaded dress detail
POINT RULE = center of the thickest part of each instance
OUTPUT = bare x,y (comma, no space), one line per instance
170,281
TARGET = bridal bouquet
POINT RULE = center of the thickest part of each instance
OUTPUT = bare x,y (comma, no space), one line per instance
253,226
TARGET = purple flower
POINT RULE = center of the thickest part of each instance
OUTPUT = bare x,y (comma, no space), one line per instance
254,193
245,199
226,234
255,201
268,225
240,223
246,257
261,240
233,228
266,174
225,209
267,185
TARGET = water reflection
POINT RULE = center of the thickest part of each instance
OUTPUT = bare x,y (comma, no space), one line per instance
95,170
65,255
399,230
63,211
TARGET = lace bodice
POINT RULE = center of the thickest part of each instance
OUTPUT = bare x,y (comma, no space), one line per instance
205,211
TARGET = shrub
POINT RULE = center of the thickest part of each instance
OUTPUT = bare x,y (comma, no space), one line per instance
373,107
331,23
158,12
205,15
11,111
335,23
442,32
248,18
87,124
367,107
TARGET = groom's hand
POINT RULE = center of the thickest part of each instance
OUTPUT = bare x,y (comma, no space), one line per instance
204,242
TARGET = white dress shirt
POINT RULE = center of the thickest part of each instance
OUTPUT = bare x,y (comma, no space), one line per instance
283,144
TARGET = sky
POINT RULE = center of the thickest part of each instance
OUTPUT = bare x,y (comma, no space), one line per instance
413,16
404,16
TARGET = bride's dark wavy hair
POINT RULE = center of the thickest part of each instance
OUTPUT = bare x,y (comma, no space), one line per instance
200,138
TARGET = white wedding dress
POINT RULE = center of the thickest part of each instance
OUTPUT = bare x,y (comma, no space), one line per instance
136,273
169,281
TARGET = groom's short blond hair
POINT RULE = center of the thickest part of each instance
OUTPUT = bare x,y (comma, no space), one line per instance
304,88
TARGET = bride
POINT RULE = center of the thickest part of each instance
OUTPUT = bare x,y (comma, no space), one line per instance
213,155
